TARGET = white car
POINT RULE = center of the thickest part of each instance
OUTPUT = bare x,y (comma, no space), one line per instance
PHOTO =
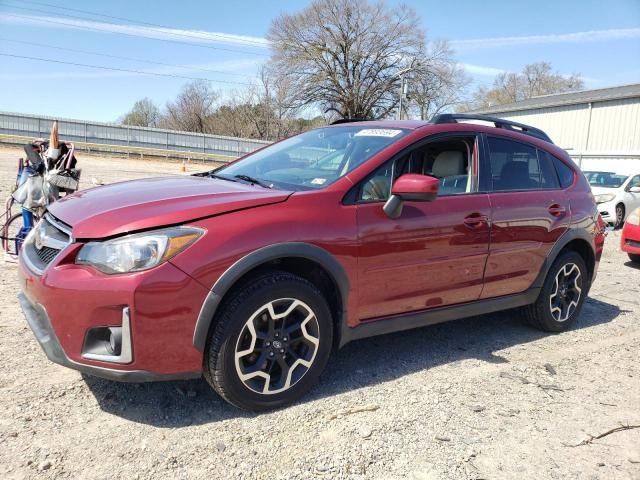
617,195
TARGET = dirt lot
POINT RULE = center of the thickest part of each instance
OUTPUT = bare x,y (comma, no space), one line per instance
486,397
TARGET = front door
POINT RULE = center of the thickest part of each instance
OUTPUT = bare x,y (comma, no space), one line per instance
434,254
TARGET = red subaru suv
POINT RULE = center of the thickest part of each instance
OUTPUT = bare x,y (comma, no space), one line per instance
252,273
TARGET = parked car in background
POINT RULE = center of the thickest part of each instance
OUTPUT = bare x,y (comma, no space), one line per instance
617,195
630,240
250,274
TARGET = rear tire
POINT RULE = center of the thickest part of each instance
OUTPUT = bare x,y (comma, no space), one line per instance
270,343
634,257
562,296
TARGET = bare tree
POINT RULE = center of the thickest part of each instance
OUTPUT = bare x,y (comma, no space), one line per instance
193,108
535,79
437,82
144,113
345,55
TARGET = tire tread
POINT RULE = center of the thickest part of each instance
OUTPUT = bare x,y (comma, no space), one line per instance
213,370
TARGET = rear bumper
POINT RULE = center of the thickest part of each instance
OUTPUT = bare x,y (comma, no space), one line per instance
40,324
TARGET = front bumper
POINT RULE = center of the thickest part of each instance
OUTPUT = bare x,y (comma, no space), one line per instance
608,211
40,324
65,301
630,239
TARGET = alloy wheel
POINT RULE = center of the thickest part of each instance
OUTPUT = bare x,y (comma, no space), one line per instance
277,346
566,292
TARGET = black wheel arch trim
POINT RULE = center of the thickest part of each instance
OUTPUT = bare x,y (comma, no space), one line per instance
564,240
259,257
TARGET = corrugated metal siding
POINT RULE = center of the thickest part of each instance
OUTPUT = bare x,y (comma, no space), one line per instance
615,126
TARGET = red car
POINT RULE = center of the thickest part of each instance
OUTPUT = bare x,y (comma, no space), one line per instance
630,240
252,273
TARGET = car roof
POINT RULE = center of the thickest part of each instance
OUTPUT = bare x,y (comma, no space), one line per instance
429,127
405,124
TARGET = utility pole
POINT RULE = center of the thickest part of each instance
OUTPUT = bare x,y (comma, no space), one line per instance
403,90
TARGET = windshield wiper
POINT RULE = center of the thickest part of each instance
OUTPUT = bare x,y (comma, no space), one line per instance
250,179
221,177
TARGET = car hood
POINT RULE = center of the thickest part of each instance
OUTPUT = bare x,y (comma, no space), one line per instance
156,202
601,190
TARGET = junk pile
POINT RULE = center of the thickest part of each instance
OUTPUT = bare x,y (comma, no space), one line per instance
48,172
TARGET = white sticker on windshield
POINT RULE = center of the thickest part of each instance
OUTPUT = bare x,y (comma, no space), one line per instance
318,181
378,132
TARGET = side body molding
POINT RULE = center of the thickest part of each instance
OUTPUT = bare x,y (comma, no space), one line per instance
255,259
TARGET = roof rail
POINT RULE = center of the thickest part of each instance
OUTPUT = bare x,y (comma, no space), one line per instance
348,120
498,122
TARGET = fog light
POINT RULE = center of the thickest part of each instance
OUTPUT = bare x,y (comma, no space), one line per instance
110,344
115,340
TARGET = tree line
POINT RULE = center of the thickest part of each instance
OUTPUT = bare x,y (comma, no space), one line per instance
344,59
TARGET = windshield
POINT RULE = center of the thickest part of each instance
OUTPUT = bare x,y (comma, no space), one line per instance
313,159
605,179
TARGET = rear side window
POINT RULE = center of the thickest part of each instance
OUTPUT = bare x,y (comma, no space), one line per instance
516,166
565,174
548,175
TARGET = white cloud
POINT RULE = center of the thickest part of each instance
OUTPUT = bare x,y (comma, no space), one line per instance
173,34
576,37
482,70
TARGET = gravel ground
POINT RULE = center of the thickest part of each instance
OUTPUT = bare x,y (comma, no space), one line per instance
486,397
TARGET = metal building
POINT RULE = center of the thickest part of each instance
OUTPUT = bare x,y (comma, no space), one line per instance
600,128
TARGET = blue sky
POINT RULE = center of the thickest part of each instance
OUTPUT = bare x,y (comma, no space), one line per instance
599,40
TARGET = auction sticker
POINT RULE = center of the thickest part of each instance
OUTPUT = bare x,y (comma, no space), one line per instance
378,132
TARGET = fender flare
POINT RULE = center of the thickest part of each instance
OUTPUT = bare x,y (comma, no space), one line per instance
256,258
567,237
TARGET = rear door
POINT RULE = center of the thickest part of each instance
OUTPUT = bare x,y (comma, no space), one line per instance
529,212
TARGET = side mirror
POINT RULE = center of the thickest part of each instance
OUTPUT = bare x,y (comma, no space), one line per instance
410,187
634,189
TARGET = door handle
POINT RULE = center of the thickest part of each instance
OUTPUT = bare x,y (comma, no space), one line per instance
557,210
476,220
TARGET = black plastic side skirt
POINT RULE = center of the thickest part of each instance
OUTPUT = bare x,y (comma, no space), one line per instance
396,323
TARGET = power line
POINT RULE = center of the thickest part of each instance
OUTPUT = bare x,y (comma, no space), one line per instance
151,62
116,69
82,27
140,22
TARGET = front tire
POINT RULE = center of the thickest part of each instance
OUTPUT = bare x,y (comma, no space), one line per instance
271,342
634,257
562,296
620,211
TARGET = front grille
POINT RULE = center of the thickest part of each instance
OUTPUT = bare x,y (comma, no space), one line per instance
46,242
633,243
47,254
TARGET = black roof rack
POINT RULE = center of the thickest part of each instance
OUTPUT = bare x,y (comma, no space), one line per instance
348,120
498,122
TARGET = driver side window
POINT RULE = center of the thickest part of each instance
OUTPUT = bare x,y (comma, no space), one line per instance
450,160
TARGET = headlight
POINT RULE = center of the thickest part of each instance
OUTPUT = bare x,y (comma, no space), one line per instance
139,251
605,197
634,217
